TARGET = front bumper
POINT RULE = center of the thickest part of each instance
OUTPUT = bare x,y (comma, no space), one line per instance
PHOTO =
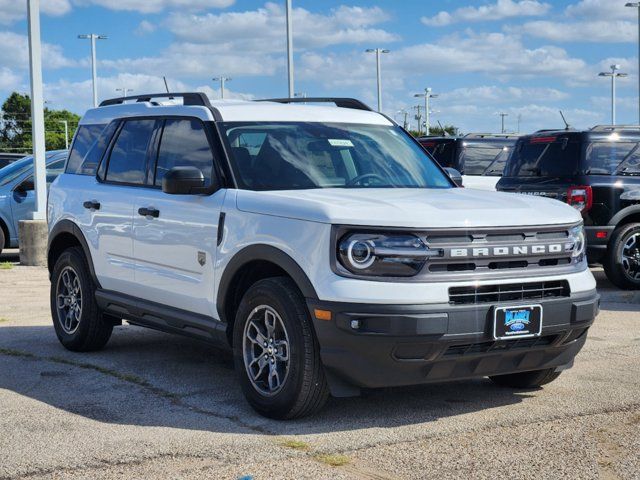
391,345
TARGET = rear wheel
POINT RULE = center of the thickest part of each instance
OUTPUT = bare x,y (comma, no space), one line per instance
622,263
276,354
532,379
79,324
2,239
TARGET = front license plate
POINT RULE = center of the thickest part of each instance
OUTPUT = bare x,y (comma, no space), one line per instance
517,322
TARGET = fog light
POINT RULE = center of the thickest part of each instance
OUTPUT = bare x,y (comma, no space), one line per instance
355,324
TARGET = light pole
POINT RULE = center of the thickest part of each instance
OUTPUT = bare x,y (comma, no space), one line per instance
222,80
613,74
637,6
404,113
37,110
94,76
124,90
66,133
378,52
502,115
427,112
289,47
418,117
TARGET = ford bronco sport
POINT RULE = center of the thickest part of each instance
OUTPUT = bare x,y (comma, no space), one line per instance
321,243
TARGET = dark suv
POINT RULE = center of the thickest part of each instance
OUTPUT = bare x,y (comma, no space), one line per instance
479,157
596,171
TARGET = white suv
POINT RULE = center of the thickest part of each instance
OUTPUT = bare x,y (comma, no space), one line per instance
321,243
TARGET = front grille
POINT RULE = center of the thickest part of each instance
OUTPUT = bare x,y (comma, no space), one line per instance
508,292
499,346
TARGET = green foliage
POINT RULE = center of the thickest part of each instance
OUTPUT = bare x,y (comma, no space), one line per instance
437,131
15,125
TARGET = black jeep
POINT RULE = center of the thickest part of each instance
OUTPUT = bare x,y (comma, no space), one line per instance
596,171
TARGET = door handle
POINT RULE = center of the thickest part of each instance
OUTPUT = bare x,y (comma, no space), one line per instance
149,212
92,205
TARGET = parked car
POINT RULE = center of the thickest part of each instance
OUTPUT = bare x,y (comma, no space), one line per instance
9,158
321,244
597,171
479,157
16,193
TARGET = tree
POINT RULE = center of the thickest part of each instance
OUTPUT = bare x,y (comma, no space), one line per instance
437,131
16,127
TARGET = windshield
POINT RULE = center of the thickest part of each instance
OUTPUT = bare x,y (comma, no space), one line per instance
544,157
477,159
607,158
18,168
444,153
296,155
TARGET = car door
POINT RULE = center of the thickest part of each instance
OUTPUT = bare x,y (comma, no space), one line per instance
109,200
174,236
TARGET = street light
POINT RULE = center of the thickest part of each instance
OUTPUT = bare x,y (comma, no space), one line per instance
378,51
66,133
124,90
502,115
427,112
289,47
222,80
94,76
637,6
613,74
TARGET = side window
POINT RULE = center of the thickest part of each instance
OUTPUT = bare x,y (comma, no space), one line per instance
53,170
184,144
128,158
84,140
91,160
477,159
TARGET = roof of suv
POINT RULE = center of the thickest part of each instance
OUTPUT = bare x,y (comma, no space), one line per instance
234,110
475,138
604,132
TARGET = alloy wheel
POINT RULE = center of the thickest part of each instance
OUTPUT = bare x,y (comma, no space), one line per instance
69,300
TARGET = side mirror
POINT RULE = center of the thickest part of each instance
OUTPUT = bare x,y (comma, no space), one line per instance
454,175
183,181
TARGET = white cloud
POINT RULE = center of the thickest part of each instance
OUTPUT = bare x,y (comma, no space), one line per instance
13,10
9,80
262,30
16,53
145,27
492,94
598,31
496,11
155,6
601,9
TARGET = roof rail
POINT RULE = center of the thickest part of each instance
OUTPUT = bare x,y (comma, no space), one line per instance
188,98
495,135
544,130
610,128
339,102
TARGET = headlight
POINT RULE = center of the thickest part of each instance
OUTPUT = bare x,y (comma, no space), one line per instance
576,244
386,255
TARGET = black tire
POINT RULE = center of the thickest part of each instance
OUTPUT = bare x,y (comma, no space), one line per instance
613,264
2,239
533,379
304,389
89,331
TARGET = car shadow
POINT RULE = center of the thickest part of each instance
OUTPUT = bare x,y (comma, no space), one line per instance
150,378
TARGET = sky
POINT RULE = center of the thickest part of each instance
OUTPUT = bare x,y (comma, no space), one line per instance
526,58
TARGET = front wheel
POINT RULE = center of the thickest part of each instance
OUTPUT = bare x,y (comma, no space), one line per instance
276,354
622,262
79,324
533,379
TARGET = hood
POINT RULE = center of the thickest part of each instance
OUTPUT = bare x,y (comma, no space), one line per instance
411,208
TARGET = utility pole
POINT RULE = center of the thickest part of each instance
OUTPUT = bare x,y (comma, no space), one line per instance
37,110
378,52
502,115
404,113
222,79
124,90
94,76
66,133
427,109
519,120
418,117
613,74
637,6
289,47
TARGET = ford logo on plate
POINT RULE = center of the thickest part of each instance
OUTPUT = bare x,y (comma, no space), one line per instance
517,326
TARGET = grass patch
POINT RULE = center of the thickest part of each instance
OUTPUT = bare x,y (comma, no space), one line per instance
6,265
2,320
16,353
296,445
333,460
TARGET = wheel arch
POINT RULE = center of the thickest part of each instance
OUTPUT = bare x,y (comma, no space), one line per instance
628,214
249,265
63,235
4,226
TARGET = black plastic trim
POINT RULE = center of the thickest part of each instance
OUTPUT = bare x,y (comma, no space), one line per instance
341,102
221,220
67,226
188,98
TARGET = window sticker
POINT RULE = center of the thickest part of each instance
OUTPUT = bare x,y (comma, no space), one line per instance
340,142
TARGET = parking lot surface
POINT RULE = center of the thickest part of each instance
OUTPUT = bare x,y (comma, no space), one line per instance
151,405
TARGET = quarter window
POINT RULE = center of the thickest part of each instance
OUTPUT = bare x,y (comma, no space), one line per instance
85,139
128,159
184,143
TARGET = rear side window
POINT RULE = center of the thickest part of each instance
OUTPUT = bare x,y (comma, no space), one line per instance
541,157
604,158
85,139
184,144
128,158
444,154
